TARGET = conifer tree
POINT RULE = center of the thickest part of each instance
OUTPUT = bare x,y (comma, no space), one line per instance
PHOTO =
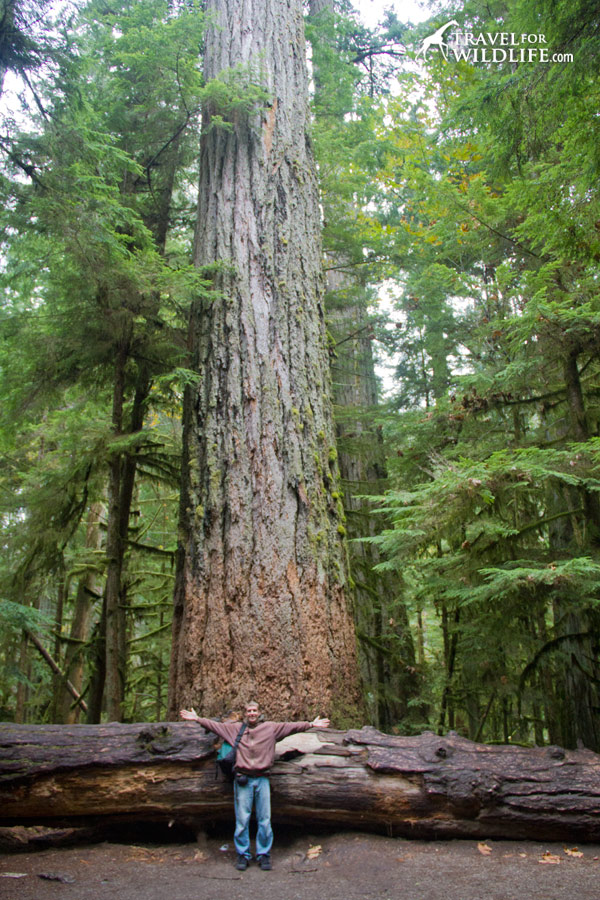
261,606
504,539
108,303
346,118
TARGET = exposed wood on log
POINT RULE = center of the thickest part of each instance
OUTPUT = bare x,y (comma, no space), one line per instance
425,786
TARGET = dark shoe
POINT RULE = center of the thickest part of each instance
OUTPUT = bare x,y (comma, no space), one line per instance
264,862
242,863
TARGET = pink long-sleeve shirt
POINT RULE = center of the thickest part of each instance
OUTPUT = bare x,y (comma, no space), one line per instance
256,749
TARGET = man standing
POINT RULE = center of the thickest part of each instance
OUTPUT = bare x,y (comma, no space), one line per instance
255,756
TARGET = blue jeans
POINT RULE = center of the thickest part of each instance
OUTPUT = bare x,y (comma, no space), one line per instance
258,792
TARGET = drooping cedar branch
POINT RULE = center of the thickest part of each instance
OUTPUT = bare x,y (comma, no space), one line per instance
426,786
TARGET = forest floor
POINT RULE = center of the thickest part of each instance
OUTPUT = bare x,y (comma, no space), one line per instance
342,866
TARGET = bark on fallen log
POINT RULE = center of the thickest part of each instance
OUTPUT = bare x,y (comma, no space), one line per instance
426,786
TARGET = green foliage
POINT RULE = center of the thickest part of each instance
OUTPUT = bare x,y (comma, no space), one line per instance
237,92
93,323
472,191
17,618
490,211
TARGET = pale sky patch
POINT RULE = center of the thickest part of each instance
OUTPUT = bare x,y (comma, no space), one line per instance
372,11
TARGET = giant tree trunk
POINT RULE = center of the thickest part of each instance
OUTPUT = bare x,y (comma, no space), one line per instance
423,786
260,605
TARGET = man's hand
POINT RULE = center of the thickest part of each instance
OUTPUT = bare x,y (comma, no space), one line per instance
319,723
189,714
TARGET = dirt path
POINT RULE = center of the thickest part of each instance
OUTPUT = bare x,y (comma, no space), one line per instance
339,867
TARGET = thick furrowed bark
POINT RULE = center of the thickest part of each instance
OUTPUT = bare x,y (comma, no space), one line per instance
260,608
424,786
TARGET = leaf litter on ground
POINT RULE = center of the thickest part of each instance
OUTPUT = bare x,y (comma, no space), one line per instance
550,859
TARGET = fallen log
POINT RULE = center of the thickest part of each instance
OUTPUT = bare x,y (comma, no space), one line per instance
422,787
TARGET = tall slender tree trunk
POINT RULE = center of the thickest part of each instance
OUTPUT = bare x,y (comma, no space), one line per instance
386,651
260,606
114,681
81,623
121,483
123,470
576,622
24,665
98,669
387,654
57,681
450,635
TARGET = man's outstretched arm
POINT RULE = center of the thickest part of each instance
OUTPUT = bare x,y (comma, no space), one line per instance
285,729
226,730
